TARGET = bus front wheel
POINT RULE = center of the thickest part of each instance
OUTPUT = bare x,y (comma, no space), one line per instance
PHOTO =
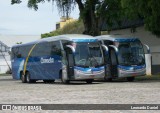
63,79
89,81
130,79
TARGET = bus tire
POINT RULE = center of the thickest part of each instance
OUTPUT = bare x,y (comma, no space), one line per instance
89,81
23,78
107,79
130,79
28,78
63,79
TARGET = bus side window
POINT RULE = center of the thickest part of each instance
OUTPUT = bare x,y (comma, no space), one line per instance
15,52
55,48
12,54
19,56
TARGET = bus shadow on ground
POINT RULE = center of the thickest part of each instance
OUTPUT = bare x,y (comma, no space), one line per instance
60,83
142,79
5,79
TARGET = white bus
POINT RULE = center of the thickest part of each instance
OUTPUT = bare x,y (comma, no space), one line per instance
125,58
65,57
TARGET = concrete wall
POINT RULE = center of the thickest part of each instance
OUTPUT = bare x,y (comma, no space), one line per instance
147,38
3,65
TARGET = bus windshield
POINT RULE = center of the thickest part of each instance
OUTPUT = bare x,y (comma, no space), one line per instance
131,53
88,54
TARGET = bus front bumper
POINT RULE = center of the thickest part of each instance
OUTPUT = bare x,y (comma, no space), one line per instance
83,75
134,73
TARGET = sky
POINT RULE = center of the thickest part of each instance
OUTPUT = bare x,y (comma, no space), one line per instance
18,23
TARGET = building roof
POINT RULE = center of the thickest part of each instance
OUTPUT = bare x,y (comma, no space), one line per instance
4,47
126,23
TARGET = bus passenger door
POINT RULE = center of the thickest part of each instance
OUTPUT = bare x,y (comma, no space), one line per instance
113,61
70,59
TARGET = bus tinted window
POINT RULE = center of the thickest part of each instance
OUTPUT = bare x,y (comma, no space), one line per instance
55,48
46,48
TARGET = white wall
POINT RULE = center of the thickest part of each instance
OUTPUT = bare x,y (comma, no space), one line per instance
146,37
3,65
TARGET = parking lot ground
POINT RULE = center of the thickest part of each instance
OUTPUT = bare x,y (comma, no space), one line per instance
144,90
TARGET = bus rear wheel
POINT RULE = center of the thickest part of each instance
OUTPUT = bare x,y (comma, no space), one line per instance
28,80
23,78
130,79
89,81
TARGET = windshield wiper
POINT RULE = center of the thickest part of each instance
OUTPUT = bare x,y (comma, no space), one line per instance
97,64
92,60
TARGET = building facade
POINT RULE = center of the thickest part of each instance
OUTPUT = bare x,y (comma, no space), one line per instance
146,37
64,21
5,62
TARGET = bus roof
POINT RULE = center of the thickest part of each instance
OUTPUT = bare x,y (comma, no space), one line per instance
69,37
119,38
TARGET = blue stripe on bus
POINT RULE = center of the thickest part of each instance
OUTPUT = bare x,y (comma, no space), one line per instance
88,69
126,40
131,67
85,40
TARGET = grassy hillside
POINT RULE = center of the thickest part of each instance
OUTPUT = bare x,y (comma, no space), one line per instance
71,28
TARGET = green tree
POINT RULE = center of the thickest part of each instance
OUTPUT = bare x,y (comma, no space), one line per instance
149,10
93,12
19,43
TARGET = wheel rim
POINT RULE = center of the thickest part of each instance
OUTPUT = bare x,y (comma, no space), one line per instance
27,76
23,78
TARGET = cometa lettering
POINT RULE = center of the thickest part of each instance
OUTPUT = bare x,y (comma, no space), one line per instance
50,60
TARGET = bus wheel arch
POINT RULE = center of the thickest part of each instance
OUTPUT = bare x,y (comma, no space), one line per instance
23,78
21,73
28,80
63,78
89,81
130,79
60,73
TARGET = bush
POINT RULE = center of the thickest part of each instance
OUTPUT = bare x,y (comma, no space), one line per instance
75,27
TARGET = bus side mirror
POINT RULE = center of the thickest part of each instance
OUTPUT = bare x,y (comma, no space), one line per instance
105,48
71,47
115,48
106,53
114,55
148,49
71,56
